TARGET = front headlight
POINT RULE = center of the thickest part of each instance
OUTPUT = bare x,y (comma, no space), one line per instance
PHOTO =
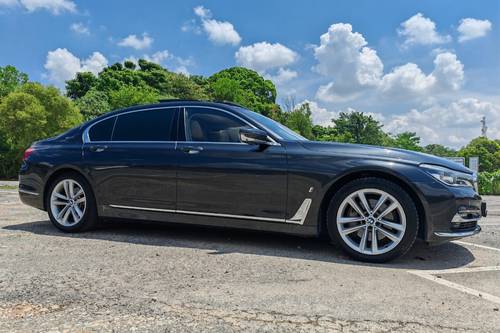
449,176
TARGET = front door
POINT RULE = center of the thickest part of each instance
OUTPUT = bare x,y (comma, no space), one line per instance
220,176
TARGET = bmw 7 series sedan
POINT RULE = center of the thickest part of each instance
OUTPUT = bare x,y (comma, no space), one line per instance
219,164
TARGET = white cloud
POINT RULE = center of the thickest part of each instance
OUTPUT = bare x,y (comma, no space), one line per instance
320,116
80,28
136,42
158,57
344,56
9,3
421,30
453,125
54,6
62,65
264,56
409,80
282,76
353,68
471,28
219,32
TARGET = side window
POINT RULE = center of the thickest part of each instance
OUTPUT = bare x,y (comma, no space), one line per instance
152,125
210,125
102,130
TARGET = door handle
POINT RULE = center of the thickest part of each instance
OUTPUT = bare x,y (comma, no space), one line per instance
192,150
98,149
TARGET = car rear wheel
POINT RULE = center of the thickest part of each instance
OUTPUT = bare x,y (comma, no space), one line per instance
71,204
373,220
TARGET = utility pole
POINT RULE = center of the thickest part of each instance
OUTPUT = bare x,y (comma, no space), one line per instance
484,128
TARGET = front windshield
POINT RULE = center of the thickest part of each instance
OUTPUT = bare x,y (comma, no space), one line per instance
283,132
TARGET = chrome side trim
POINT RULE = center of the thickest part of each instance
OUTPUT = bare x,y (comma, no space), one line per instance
459,234
298,218
144,208
28,192
301,214
244,217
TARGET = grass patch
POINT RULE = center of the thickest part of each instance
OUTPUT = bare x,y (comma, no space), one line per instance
8,187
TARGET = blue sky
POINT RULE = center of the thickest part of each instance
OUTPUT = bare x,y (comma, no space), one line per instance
427,66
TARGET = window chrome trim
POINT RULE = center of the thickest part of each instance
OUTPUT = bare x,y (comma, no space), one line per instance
85,134
298,218
86,138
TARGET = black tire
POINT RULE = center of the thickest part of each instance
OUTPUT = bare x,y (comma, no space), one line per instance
89,219
406,202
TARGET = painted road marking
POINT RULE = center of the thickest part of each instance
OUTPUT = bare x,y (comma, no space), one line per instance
477,245
435,276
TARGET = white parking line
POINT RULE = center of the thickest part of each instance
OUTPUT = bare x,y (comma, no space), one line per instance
459,287
477,245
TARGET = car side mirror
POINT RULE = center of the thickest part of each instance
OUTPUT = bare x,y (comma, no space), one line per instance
254,136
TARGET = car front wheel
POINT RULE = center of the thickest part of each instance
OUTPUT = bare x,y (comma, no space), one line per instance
373,219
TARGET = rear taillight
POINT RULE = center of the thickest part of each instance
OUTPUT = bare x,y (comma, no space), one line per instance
27,153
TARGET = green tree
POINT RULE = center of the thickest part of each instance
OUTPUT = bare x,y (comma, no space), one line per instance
80,85
487,150
325,133
406,140
300,120
62,113
439,150
93,104
356,127
23,119
131,95
250,90
11,79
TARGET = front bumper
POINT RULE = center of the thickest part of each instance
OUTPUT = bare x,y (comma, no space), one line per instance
460,218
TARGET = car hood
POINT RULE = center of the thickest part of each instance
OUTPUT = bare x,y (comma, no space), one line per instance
381,153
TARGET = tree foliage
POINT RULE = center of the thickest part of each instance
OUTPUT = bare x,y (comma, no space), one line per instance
356,127
406,140
487,150
10,80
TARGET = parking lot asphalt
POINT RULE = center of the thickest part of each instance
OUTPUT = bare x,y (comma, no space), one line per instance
169,278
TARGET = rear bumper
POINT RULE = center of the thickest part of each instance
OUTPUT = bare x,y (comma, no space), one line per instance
30,188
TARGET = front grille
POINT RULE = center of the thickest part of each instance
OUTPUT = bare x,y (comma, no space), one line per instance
464,225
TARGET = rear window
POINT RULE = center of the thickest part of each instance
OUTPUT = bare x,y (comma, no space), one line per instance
152,125
102,130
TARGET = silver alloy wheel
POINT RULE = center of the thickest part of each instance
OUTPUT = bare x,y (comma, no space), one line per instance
68,202
371,221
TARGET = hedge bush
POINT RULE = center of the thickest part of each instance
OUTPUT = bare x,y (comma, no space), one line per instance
489,182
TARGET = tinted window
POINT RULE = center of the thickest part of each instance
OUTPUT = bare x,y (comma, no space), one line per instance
152,125
210,125
102,130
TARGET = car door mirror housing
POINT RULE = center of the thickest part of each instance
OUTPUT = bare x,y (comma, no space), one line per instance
254,136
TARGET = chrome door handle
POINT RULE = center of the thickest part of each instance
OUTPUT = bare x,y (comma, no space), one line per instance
192,150
98,149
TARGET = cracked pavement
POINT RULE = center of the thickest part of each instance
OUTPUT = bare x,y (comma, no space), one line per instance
168,278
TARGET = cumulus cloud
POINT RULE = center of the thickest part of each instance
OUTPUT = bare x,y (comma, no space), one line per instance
282,76
264,56
471,28
80,28
409,80
354,68
9,3
62,65
421,30
453,125
320,116
219,32
56,7
137,43
343,55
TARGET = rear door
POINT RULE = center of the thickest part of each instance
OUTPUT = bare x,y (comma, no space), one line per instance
131,158
220,176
